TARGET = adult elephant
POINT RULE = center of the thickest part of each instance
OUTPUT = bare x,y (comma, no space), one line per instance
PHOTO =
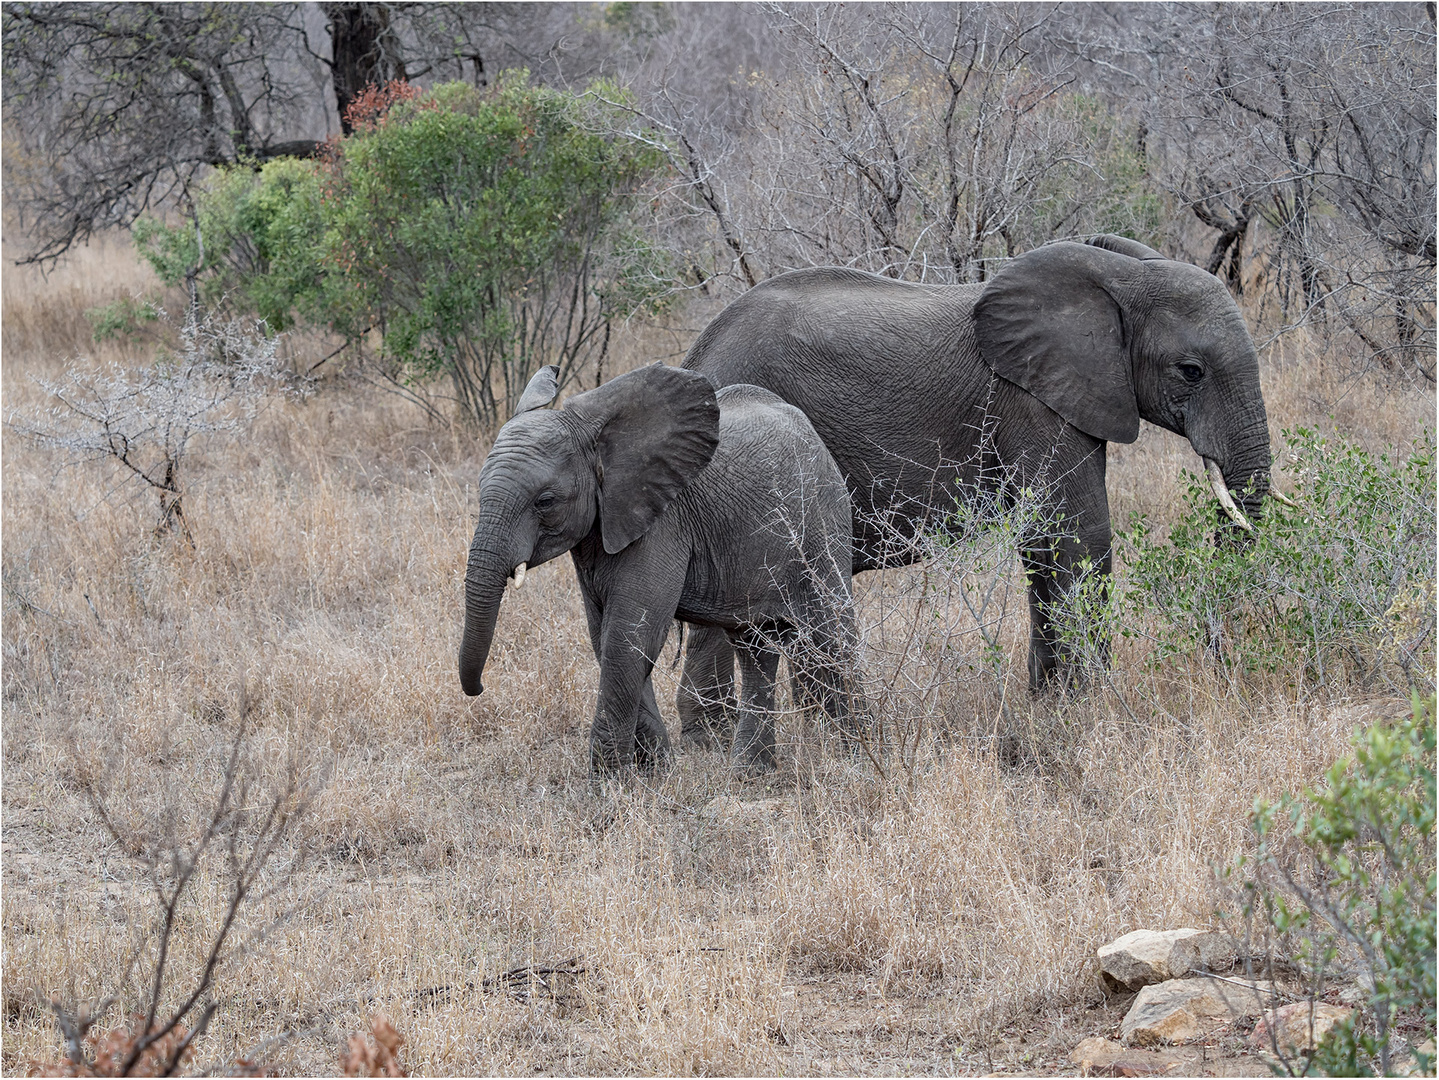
924,391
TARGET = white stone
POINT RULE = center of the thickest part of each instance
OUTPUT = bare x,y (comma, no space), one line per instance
1170,1012
1292,1029
726,808
1097,1056
1151,956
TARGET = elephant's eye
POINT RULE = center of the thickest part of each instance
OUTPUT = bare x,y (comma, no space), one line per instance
545,500
1190,372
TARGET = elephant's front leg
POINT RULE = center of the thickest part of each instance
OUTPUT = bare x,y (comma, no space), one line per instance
628,730
753,749
651,735
1064,640
706,699
652,738
1074,543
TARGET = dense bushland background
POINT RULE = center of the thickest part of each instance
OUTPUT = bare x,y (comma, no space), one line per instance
1287,148
633,168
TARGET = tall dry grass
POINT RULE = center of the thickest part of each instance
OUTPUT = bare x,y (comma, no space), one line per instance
466,879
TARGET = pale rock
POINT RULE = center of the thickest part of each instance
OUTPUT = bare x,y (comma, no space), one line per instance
1426,1048
1291,1026
1096,1051
1152,1024
1242,999
1352,995
1404,1059
1144,957
722,807
1170,1012
1357,994
1097,1056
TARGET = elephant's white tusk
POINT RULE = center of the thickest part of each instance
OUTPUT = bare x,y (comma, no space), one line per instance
519,576
1279,496
1216,482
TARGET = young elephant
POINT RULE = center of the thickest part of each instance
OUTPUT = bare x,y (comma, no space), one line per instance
723,510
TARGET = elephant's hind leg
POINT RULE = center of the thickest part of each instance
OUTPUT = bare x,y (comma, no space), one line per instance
753,749
823,675
706,700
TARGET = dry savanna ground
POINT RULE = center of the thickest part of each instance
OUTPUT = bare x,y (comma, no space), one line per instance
934,912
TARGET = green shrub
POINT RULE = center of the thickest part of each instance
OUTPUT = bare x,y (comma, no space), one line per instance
1342,584
1125,200
121,319
482,234
262,232
486,233
1346,874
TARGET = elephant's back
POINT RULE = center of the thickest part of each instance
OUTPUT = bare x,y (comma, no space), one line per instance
750,414
769,450
836,312
888,372
771,493
845,347
759,424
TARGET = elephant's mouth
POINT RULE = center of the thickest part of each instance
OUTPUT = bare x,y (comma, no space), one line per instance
1221,492
1226,501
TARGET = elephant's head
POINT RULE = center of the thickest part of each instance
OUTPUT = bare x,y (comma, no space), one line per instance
612,459
1110,332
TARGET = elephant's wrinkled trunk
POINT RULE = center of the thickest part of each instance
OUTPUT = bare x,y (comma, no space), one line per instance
485,579
1245,472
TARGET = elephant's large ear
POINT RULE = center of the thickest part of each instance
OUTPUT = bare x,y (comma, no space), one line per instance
658,428
541,390
1049,322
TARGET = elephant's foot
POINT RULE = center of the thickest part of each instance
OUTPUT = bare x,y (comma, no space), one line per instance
652,738
753,751
1052,672
606,763
652,743
753,765
1061,678
700,739
650,758
706,725
624,760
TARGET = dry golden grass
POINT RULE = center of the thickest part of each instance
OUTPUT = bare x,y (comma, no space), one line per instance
463,876
44,312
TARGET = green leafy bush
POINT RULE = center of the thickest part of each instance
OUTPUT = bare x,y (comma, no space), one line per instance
121,319
483,234
1339,586
1345,874
262,234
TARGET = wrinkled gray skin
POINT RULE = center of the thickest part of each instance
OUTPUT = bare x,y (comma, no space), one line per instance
1017,382
723,510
